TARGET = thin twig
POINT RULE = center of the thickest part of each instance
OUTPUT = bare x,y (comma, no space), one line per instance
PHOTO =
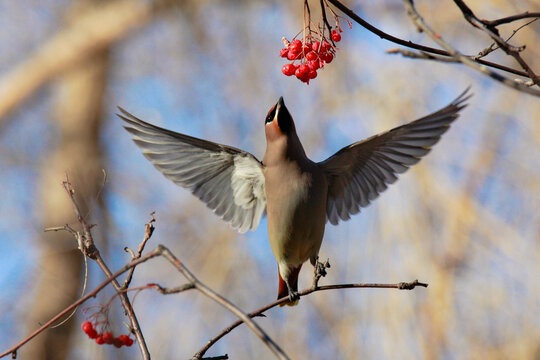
174,290
148,231
419,21
509,19
494,46
400,286
90,250
326,23
421,55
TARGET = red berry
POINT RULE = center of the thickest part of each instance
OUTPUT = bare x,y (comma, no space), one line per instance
283,53
117,342
108,337
311,56
325,45
302,71
92,334
300,76
313,64
288,69
312,74
87,326
99,340
315,46
292,55
327,57
124,339
295,45
336,36
129,341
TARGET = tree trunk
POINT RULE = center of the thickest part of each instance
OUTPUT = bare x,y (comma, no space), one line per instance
77,154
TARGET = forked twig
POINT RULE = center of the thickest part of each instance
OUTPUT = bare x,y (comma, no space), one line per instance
148,231
86,242
420,23
80,301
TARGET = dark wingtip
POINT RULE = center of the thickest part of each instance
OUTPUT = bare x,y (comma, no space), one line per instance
464,96
123,114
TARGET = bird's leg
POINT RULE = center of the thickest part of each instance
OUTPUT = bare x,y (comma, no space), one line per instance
319,271
293,295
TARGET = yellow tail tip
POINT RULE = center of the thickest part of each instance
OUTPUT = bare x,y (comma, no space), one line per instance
290,303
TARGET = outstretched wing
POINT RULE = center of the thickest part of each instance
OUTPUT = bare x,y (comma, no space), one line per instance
358,173
228,180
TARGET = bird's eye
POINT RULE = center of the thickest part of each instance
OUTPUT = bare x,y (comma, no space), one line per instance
271,115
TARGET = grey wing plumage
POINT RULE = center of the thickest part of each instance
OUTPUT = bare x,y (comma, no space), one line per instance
358,173
230,181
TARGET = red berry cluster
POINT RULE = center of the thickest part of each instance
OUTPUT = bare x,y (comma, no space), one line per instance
107,337
312,55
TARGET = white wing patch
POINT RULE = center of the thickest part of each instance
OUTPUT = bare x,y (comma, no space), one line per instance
247,182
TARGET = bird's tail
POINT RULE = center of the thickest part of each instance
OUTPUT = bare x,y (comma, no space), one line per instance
284,290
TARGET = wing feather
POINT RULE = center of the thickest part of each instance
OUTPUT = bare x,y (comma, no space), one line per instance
228,180
358,173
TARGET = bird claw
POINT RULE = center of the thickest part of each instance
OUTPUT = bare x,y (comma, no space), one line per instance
293,296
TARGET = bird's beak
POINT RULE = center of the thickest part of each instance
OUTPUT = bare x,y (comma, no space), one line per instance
280,103
283,116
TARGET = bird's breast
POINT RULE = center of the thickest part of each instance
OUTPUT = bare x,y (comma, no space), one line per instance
296,209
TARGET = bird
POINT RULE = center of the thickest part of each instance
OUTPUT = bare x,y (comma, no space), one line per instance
298,196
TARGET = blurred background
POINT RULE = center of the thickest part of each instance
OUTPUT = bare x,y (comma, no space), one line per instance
466,219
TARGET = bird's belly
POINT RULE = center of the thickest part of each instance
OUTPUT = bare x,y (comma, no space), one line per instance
296,218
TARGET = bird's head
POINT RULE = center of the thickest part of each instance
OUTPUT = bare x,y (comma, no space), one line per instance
279,121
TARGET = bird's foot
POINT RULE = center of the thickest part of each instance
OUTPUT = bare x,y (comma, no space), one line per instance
294,297
319,271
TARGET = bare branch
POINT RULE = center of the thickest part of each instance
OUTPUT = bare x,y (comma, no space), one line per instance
259,312
194,283
493,32
412,45
83,299
419,21
271,344
89,249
